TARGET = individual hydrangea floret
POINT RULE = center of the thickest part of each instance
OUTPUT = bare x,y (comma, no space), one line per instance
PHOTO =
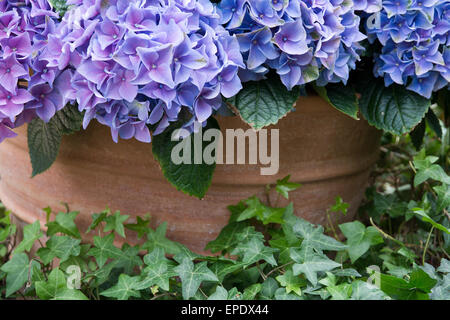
415,41
301,40
26,82
135,64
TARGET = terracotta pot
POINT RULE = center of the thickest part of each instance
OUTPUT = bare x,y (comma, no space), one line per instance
329,153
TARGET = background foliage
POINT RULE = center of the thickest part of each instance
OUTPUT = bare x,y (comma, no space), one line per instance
397,249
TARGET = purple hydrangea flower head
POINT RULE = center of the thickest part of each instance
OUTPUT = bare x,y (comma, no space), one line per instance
302,40
415,43
25,27
138,63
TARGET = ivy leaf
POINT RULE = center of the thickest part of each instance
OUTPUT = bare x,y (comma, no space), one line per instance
16,270
254,250
262,103
359,238
251,292
417,288
61,247
282,294
313,241
442,290
443,193
157,239
310,268
141,226
226,238
393,109
56,288
129,258
193,179
104,249
342,97
222,268
124,289
44,138
256,209
284,186
427,169
158,271
362,290
64,223
115,223
220,294
31,233
291,282
425,217
97,218
268,289
192,276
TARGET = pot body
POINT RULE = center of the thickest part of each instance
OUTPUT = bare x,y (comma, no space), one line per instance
329,153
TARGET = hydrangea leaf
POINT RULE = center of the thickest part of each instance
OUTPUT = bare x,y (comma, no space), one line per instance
359,238
17,269
115,223
31,233
193,179
192,276
44,138
342,97
59,6
262,103
393,109
56,288
64,223
124,289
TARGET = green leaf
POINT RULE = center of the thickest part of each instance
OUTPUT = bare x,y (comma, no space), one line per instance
310,268
339,206
141,226
193,179
283,186
256,209
44,139
443,193
61,247
220,294
427,169
393,109
129,258
60,6
313,241
268,289
342,97
251,292
192,276
226,238
158,271
262,103
17,269
31,233
104,249
56,288
291,282
340,292
115,223
97,218
254,250
362,290
157,239
425,217
418,287
359,238
124,289
64,223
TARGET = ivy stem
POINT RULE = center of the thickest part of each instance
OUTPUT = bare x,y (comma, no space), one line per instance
426,245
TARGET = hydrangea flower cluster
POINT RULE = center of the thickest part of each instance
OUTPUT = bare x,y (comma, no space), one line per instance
26,82
416,44
303,40
130,64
